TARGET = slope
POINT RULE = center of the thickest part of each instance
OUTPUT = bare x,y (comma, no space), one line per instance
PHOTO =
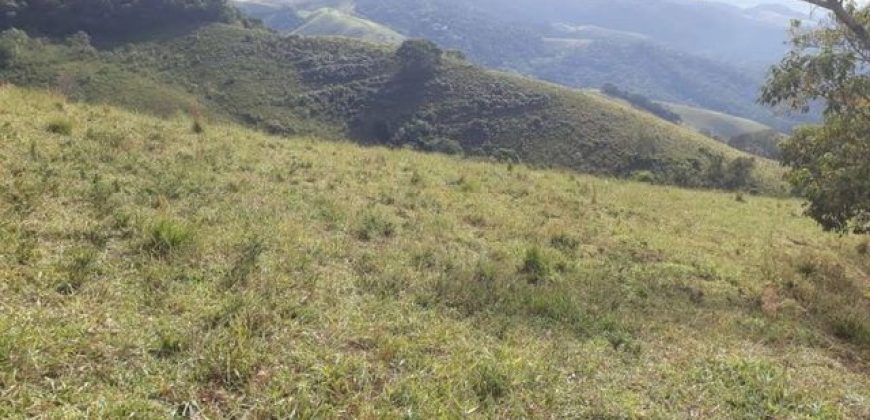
152,270
716,123
538,39
338,88
333,22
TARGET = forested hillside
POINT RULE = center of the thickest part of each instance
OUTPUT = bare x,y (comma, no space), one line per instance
626,43
418,96
111,20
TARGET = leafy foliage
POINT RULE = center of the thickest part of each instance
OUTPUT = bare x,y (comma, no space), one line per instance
110,19
760,143
419,58
829,165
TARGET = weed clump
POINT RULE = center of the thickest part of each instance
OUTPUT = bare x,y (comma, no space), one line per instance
564,242
168,343
79,267
167,236
535,266
489,382
60,126
246,263
825,290
374,225
229,359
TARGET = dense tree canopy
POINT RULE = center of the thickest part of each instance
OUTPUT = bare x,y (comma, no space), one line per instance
830,164
419,58
109,18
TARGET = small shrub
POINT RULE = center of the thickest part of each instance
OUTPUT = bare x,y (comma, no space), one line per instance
417,179
198,127
374,225
246,263
78,268
851,325
169,343
489,382
167,236
229,359
535,266
60,126
643,176
564,242
806,268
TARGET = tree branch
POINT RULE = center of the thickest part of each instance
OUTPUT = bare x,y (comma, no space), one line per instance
836,6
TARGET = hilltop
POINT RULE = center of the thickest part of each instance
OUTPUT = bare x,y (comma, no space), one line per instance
373,94
157,267
629,43
333,22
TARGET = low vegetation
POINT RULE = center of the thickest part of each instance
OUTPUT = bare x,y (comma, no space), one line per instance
151,271
415,96
642,102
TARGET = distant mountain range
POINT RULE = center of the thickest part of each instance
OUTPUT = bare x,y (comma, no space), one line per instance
703,54
417,97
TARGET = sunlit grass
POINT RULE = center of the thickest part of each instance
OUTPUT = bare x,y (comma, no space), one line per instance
149,270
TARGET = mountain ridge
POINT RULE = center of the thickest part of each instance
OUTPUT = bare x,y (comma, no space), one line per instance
339,88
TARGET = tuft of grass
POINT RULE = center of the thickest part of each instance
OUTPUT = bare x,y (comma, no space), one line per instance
246,263
80,265
565,242
489,381
230,358
536,266
167,236
63,127
169,343
374,225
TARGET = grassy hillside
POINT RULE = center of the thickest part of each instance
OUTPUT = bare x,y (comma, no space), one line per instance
161,267
332,22
341,88
716,123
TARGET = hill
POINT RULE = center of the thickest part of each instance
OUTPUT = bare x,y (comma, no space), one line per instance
717,124
320,21
340,88
333,22
156,268
113,21
628,43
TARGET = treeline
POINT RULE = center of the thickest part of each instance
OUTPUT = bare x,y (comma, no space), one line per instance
642,102
762,143
110,19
